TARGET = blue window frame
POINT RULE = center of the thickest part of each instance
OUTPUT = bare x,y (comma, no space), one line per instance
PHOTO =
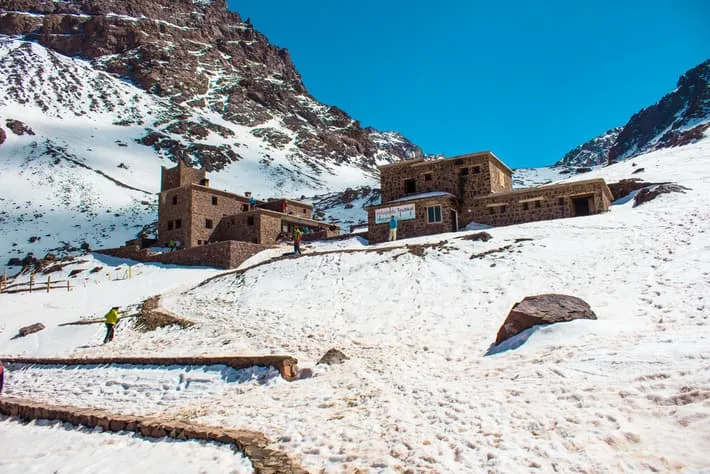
433,214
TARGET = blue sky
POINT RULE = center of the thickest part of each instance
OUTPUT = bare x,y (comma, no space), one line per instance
527,80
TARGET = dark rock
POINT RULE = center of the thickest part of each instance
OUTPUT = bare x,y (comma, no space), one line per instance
543,309
14,262
3,136
478,236
27,330
333,357
638,170
582,169
18,128
50,257
650,193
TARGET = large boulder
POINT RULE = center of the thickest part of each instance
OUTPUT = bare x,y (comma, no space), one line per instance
543,309
651,193
333,357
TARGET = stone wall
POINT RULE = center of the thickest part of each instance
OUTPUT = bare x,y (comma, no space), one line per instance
180,176
174,209
227,254
418,226
243,226
466,177
212,205
252,444
543,203
286,365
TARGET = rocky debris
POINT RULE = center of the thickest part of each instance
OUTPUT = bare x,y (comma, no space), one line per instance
688,103
3,136
18,128
478,236
31,329
543,309
333,357
583,169
151,317
650,193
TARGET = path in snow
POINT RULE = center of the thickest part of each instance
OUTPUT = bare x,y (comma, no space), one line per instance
45,446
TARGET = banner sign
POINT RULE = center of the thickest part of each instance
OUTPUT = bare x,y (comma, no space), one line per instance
401,213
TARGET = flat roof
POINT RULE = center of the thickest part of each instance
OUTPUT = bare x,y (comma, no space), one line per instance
286,217
487,153
292,201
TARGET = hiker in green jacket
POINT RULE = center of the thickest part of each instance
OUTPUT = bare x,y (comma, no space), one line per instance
111,320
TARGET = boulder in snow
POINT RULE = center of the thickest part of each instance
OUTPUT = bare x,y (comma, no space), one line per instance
650,193
333,357
3,136
543,309
27,330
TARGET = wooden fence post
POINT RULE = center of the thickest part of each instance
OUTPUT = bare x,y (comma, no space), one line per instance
32,280
68,286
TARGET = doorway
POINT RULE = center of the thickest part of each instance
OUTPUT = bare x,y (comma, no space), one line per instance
454,221
410,186
581,206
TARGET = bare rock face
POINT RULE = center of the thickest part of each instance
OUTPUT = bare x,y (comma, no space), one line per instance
650,193
27,330
199,54
333,357
3,136
543,309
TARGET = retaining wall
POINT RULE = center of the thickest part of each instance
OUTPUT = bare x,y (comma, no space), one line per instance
253,444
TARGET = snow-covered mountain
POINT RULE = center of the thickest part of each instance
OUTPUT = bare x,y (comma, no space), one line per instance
98,95
680,117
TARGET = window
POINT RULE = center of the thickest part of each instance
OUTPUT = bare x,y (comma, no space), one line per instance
174,200
503,209
214,200
250,220
525,206
427,177
170,225
199,242
463,171
476,170
538,203
491,210
561,202
178,223
433,214
245,207
305,211
410,186
208,223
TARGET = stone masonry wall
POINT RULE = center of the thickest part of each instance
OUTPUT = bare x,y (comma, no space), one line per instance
176,214
227,254
414,227
253,444
212,204
269,228
180,176
556,203
237,227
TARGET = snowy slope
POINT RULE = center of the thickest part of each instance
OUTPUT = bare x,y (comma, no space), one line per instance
84,175
626,393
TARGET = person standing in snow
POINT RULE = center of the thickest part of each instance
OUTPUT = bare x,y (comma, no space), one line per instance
393,228
297,235
111,320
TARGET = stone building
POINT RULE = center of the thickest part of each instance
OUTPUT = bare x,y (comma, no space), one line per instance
434,196
193,213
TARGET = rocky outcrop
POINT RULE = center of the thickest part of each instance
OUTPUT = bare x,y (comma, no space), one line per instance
200,55
3,136
650,193
593,152
18,128
543,309
669,122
